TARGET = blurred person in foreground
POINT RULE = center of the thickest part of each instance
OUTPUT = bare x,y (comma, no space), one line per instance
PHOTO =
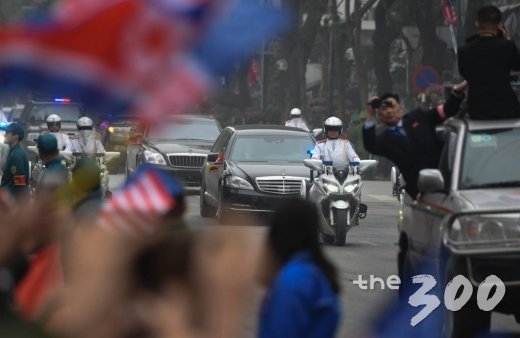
486,61
302,300
410,140
22,228
15,173
86,188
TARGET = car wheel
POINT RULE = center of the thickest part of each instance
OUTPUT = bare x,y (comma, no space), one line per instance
456,324
341,226
222,212
205,209
405,271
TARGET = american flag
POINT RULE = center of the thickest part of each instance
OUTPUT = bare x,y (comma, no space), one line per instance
449,13
137,208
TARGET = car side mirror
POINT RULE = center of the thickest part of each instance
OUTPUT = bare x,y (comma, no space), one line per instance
430,180
316,132
212,157
366,164
313,164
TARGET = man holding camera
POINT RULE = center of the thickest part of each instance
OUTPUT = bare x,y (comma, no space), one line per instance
410,141
486,62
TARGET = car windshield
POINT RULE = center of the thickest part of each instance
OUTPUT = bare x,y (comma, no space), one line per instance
491,159
265,148
67,112
186,129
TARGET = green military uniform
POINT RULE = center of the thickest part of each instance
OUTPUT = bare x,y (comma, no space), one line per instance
16,171
54,174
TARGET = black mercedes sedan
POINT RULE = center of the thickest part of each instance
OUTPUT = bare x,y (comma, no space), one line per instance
179,144
251,168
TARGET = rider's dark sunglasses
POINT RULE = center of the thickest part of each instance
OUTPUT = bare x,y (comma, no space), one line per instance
54,123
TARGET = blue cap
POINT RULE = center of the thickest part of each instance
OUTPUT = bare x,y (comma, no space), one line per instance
47,143
14,128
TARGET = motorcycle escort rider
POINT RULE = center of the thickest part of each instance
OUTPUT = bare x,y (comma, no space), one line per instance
296,120
89,141
334,148
54,126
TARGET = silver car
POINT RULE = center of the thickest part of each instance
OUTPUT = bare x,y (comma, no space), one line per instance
466,219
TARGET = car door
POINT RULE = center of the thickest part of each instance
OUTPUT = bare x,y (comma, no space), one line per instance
430,209
213,169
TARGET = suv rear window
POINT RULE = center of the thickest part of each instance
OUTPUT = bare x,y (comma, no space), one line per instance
67,112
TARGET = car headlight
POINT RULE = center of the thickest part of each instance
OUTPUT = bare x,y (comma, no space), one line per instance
154,157
238,183
350,187
330,186
485,228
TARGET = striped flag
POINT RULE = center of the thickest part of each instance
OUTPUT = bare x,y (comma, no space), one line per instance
449,13
137,208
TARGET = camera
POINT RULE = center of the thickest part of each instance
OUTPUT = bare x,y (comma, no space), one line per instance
375,104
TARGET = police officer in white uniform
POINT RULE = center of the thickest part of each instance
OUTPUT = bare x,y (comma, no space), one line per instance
88,142
54,125
335,149
296,120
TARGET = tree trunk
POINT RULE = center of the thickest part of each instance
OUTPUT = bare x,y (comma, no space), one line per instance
433,47
384,35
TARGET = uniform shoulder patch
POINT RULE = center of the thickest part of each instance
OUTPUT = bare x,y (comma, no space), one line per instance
13,170
19,180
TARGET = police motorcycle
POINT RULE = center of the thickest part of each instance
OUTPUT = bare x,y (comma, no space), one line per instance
337,192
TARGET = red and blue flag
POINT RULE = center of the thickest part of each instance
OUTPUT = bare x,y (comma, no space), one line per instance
144,56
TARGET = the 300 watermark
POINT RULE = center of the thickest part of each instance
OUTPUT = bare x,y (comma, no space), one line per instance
431,302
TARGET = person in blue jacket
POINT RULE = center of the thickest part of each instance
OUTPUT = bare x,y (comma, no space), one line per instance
302,300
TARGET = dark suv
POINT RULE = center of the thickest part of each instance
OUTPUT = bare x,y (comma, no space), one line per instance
180,144
35,113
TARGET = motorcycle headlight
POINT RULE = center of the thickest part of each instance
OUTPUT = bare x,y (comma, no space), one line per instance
350,187
331,187
154,157
478,229
238,183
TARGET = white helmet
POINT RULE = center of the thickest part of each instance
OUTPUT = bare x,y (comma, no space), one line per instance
295,112
333,123
84,123
53,119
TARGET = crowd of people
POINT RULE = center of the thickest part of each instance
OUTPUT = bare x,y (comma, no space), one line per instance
68,270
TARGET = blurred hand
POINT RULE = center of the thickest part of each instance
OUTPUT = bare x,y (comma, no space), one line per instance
461,87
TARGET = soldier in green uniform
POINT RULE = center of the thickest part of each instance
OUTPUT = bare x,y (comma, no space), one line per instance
54,175
15,176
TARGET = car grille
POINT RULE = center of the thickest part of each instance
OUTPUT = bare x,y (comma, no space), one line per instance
280,185
187,160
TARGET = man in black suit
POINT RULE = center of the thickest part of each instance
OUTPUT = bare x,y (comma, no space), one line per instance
410,141
486,62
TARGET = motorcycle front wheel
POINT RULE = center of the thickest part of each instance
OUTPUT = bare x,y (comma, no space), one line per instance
341,217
